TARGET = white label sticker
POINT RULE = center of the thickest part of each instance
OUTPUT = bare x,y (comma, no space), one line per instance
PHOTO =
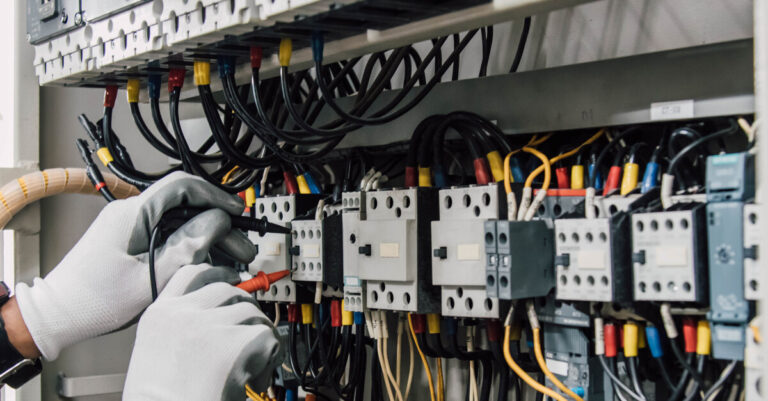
272,248
389,250
678,109
468,252
671,256
591,259
310,251
559,368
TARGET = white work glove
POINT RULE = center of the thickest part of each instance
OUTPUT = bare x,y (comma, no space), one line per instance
202,341
103,284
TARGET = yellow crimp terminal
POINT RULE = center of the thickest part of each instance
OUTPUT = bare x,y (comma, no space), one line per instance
104,156
306,313
433,323
250,197
629,181
202,71
630,339
347,318
425,177
302,181
497,167
703,338
132,90
577,177
284,54
641,342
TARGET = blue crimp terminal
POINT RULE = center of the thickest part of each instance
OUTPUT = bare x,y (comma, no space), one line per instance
654,341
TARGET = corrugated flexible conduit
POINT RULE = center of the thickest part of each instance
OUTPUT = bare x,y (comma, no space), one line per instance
29,188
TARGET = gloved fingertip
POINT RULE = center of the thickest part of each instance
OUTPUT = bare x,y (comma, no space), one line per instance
238,246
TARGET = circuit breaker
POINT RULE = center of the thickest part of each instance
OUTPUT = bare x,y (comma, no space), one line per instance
669,255
593,259
458,252
519,259
273,250
394,250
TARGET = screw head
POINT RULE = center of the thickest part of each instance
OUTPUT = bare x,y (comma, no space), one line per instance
78,18
64,17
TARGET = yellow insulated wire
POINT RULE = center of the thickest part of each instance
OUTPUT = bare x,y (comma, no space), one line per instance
228,176
545,165
508,180
424,360
562,156
507,173
525,376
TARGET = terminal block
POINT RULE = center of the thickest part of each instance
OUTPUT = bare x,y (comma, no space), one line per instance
519,259
273,250
393,248
458,252
593,259
353,207
752,285
669,255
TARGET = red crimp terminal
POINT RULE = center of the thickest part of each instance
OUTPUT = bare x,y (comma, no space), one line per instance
336,313
99,186
689,334
609,334
481,172
291,186
419,323
176,78
110,94
241,194
612,182
256,55
294,313
411,177
563,181
493,330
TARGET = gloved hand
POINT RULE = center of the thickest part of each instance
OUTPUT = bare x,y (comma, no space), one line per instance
102,284
201,341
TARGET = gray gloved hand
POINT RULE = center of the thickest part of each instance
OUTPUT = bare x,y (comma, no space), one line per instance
102,284
202,341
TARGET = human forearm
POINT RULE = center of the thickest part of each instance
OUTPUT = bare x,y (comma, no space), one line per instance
18,333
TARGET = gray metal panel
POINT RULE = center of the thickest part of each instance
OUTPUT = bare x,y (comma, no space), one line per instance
718,78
